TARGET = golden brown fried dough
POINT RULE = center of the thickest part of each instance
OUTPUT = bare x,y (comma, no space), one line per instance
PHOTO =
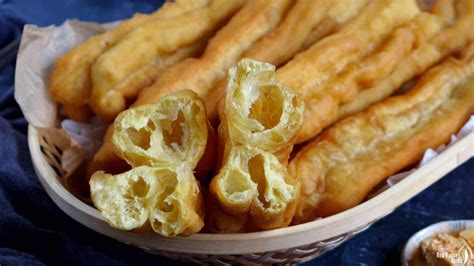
290,37
168,197
323,103
175,129
122,71
285,40
260,112
445,9
105,158
220,221
252,183
338,14
441,45
339,168
385,58
106,102
253,188
70,82
172,130
310,70
163,143
253,21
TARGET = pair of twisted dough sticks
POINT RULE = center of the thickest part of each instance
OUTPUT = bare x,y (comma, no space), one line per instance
252,189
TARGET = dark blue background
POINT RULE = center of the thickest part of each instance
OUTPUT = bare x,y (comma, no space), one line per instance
34,231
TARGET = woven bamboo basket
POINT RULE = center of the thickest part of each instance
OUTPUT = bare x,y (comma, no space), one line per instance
293,244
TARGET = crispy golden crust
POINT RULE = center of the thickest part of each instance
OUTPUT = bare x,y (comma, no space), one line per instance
253,188
309,71
260,112
207,164
163,143
429,53
328,57
70,82
339,168
172,130
106,102
175,129
323,103
284,41
105,158
154,44
445,9
220,221
338,14
253,21
290,37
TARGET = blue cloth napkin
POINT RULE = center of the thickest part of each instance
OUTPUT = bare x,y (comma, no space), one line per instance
33,231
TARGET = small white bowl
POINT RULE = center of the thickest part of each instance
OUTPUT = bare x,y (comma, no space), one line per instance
442,227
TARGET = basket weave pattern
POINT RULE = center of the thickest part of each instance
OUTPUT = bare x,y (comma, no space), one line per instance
52,155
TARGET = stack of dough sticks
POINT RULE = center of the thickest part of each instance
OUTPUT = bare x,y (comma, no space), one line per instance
103,65
331,94
340,167
310,71
329,68
453,38
305,23
253,21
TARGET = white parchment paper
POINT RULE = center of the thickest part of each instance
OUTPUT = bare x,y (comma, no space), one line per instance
39,49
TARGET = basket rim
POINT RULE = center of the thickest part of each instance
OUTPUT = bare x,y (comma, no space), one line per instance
288,237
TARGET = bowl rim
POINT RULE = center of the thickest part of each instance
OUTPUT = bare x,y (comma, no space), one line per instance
241,243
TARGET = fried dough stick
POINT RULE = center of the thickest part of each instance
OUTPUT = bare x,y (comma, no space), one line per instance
254,20
163,142
107,159
70,83
341,166
134,62
315,66
106,102
323,104
260,112
445,9
337,16
309,71
441,45
285,40
253,190
290,36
